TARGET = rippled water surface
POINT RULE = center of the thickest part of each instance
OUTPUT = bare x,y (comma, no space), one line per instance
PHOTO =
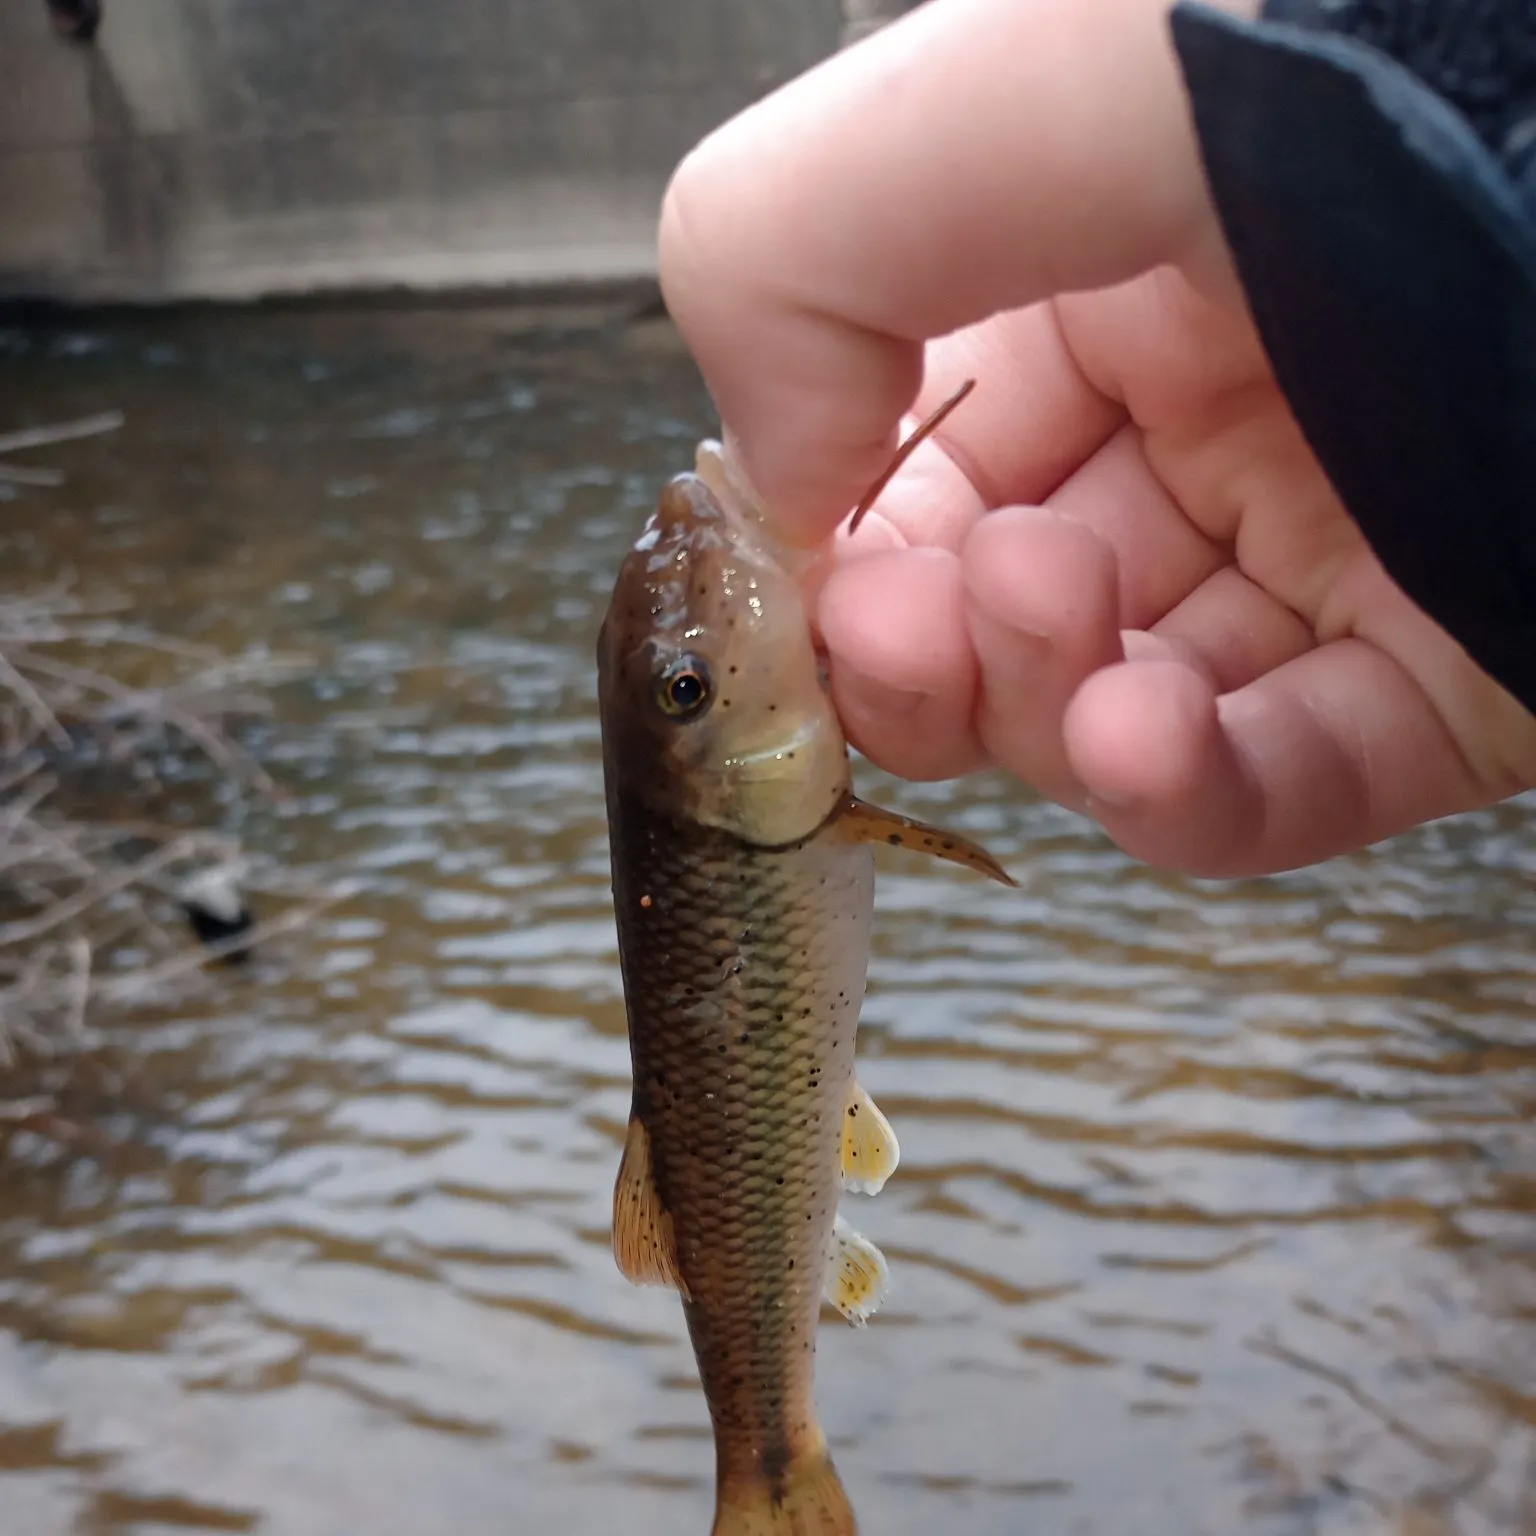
1217,1210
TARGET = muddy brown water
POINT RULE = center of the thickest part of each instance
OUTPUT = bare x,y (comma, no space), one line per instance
1217,1211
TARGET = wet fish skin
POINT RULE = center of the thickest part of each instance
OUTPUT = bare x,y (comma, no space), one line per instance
743,885
746,969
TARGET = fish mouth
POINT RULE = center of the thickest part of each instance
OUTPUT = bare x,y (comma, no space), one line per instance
760,763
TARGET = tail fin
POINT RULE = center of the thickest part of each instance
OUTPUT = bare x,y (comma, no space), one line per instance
810,1502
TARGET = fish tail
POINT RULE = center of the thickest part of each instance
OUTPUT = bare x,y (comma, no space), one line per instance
809,1500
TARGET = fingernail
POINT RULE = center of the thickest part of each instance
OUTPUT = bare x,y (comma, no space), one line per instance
870,696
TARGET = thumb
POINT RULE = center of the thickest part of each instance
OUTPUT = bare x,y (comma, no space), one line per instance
976,156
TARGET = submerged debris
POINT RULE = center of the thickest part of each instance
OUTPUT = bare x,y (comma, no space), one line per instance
45,437
216,907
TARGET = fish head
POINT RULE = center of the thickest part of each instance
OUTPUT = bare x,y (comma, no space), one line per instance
714,703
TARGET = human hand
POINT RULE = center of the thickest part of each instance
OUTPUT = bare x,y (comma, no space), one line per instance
1116,570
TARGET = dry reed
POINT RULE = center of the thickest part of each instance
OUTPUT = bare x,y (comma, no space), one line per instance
90,921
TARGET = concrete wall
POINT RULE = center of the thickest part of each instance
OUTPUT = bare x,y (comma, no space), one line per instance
235,148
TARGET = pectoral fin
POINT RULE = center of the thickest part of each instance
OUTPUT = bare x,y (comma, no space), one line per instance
869,824
870,1151
857,1275
644,1245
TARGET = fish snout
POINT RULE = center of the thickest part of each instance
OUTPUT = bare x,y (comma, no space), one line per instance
686,504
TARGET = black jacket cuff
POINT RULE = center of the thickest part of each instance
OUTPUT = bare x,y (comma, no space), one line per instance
1388,252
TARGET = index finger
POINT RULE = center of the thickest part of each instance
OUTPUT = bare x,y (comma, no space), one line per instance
974,157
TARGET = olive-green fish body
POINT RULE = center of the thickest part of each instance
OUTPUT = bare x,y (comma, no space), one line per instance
747,969
743,884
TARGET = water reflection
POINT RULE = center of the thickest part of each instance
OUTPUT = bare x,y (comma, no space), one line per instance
1216,1208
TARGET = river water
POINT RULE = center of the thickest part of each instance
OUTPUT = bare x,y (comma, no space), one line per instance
1217,1209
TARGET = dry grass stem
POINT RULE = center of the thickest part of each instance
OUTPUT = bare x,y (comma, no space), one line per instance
92,708
46,437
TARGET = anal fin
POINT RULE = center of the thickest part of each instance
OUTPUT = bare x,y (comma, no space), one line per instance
857,1276
644,1245
870,824
870,1149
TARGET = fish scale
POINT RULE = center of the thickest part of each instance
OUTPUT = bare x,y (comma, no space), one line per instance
746,967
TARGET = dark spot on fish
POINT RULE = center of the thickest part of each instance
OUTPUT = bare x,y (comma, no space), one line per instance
853,1110
947,845
772,708
732,671
894,840
743,1038
791,1263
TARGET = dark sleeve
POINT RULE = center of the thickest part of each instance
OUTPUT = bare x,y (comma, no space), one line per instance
1373,163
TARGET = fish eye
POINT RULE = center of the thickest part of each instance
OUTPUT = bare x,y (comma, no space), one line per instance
683,688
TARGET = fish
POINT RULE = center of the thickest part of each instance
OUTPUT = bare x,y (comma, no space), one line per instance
743,884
